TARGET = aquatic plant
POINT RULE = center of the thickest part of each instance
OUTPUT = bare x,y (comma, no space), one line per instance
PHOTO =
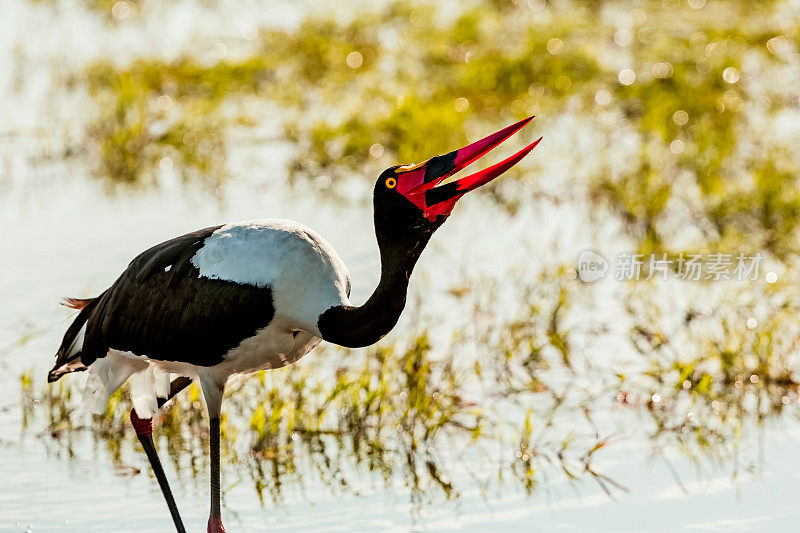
715,379
390,412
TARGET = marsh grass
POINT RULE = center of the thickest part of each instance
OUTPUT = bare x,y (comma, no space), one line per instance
404,413
714,381
425,416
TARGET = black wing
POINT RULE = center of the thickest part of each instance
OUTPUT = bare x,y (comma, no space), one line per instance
161,308
67,359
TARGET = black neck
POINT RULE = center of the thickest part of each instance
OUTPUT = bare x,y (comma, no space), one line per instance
354,327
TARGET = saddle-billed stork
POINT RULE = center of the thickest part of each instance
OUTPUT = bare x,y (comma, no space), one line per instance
251,296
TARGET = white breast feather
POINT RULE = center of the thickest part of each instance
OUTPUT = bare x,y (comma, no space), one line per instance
305,273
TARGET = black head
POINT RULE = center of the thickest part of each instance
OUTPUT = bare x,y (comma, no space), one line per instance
402,229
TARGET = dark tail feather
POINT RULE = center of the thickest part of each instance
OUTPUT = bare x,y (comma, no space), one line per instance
68,357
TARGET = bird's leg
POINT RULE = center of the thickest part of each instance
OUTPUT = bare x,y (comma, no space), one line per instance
215,517
144,432
213,391
175,386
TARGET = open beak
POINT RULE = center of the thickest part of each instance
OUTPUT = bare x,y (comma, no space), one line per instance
420,183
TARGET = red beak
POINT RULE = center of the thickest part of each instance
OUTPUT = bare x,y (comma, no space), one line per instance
419,182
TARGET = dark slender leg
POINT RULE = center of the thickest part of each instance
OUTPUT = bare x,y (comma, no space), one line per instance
215,517
177,385
144,431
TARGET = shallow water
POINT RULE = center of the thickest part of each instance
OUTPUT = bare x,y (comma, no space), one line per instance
65,235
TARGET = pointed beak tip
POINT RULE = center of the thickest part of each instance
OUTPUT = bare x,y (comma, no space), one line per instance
525,121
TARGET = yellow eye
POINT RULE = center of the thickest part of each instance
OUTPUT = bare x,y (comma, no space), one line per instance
391,183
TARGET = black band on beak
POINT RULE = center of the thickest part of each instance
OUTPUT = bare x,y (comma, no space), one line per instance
442,193
440,165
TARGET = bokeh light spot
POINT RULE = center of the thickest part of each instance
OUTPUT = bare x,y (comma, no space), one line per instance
680,117
164,102
602,97
537,5
323,181
730,75
627,76
376,150
121,10
662,70
655,398
220,50
778,45
354,59
249,32
623,37
555,46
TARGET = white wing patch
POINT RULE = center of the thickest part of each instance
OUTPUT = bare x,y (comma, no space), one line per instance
77,344
148,382
106,375
304,272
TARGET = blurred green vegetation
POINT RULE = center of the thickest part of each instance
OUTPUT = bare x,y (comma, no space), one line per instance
407,80
395,412
715,379
683,105
522,383
152,110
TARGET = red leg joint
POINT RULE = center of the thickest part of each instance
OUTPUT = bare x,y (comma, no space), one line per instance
215,524
143,426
